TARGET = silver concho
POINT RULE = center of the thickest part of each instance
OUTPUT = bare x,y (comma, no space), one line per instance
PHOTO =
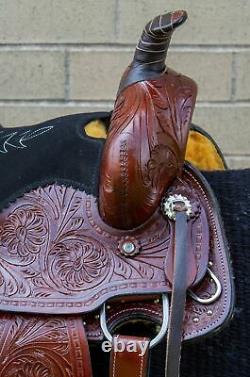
129,246
170,203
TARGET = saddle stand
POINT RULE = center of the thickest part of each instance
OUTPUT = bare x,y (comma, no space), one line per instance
96,235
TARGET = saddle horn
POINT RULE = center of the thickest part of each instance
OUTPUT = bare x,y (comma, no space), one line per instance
145,148
151,51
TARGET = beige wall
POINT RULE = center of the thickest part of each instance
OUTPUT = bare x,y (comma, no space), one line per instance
64,56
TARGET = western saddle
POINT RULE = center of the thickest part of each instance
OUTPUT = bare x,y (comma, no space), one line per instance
97,234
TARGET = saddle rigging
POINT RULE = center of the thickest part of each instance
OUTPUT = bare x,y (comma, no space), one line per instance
133,233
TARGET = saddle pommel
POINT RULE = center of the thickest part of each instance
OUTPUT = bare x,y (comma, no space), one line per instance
145,148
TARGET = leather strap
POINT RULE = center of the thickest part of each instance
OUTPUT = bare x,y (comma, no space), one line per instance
129,363
177,308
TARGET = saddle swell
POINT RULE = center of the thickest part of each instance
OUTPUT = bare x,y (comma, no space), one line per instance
147,138
145,148
74,267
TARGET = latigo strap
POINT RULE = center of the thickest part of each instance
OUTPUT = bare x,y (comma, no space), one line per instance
179,292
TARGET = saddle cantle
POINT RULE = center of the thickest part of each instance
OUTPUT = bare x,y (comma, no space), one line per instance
95,234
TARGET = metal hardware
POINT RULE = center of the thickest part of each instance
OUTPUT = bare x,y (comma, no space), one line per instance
176,203
214,297
196,320
128,248
156,339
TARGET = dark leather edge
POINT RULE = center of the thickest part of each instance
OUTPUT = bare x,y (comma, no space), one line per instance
215,205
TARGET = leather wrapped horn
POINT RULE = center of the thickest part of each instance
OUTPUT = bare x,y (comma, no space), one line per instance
145,148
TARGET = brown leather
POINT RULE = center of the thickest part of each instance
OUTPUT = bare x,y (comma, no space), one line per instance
178,298
130,364
43,346
63,252
145,147
43,278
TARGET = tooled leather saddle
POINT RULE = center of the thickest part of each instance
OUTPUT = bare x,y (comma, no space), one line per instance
118,240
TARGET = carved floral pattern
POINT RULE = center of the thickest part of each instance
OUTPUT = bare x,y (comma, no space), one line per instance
23,232
77,262
145,147
68,252
31,369
42,346
80,264
162,159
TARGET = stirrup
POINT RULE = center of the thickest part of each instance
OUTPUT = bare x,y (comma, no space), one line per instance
156,339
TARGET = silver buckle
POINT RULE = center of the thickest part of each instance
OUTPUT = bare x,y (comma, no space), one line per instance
156,339
171,203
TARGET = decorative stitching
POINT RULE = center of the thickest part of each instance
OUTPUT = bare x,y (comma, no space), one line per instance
142,361
114,362
17,140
